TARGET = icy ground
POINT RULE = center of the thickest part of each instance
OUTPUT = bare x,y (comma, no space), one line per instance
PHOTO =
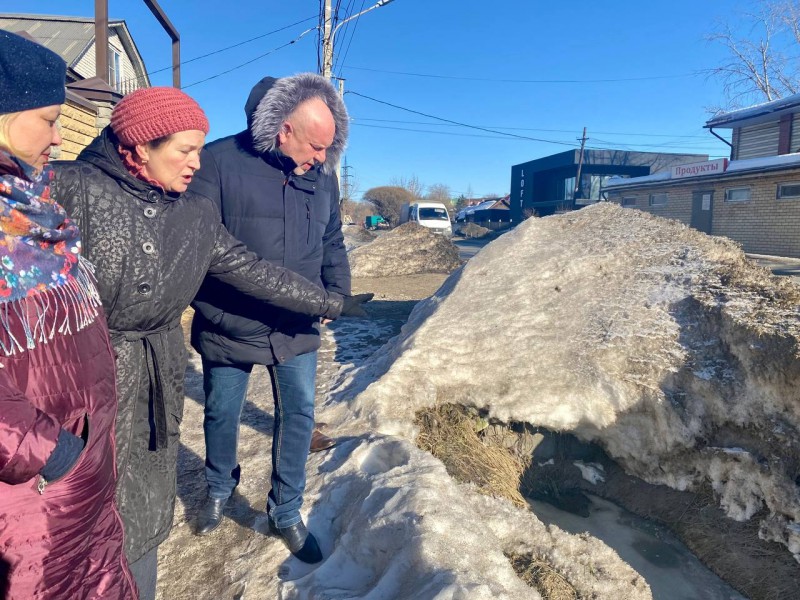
656,342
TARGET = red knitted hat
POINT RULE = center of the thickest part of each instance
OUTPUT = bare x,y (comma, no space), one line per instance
152,113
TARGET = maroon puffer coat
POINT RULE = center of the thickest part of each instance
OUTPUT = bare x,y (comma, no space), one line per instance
62,540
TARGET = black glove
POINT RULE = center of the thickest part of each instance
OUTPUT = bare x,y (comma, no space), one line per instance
352,305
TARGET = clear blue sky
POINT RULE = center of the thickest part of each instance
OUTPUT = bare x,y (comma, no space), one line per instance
456,55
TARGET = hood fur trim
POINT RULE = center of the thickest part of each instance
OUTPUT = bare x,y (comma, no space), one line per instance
283,98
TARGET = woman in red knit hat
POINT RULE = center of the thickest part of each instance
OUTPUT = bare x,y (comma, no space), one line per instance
60,532
153,243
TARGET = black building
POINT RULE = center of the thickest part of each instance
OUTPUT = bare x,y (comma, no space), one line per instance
548,185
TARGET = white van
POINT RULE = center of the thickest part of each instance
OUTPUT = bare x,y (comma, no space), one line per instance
432,215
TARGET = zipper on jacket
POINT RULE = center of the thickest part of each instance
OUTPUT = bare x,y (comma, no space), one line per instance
308,221
41,485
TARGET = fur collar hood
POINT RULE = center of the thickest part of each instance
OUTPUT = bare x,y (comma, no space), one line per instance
272,100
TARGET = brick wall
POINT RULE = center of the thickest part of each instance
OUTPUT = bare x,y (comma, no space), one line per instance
78,129
762,225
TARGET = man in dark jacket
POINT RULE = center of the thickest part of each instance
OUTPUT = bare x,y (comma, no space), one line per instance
275,186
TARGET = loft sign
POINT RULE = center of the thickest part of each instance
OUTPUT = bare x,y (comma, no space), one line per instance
709,167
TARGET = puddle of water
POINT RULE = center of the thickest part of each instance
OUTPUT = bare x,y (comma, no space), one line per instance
671,570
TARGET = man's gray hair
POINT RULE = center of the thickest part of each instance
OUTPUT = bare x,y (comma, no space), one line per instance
282,100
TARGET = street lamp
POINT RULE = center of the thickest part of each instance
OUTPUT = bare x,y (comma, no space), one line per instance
328,35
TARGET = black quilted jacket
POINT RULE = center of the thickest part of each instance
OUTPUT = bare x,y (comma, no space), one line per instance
151,252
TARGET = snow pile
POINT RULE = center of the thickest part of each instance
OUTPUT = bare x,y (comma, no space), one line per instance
405,250
473,230
390,520
404,529
663,345
355,236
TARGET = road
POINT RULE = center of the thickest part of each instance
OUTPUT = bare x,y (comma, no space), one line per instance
469,247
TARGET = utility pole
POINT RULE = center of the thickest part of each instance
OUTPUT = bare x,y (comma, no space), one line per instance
580,166
339,164
327,42
328,33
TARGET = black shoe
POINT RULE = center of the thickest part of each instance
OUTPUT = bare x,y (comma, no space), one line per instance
300,541
210,515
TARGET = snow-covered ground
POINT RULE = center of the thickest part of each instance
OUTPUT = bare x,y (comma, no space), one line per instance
655,341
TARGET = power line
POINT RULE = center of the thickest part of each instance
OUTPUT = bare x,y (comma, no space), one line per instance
258,37
486,129
617,80
638,134
453,133
610,146
352,35
239,66
220,50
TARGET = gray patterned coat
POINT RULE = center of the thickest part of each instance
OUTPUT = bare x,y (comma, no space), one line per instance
151,252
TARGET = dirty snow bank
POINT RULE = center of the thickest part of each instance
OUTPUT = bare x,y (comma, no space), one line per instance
404,529
355,236
663,345
405,250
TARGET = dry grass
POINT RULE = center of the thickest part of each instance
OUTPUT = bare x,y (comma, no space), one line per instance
542,577
450,433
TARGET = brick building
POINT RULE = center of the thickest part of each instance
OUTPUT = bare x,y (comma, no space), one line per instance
753,198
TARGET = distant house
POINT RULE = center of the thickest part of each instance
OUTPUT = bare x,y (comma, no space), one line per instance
550,184
89,100
752,198
492,213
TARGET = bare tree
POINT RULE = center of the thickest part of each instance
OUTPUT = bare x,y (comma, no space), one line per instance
412,184
439,192
759,66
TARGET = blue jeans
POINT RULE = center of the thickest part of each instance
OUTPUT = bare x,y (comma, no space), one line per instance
293,384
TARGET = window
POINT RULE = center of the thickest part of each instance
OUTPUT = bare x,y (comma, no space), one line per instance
788,191
114,68
569,189
433,214
659,199
741,194
629,201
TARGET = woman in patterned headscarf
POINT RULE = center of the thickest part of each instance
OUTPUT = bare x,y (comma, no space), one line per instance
60,532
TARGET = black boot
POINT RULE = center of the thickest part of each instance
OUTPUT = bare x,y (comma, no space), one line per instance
300,541
210,516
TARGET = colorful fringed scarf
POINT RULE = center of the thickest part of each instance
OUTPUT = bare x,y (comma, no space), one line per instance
44,283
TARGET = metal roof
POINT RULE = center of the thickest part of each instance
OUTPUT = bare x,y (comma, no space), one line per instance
66,36
759,113
71,37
